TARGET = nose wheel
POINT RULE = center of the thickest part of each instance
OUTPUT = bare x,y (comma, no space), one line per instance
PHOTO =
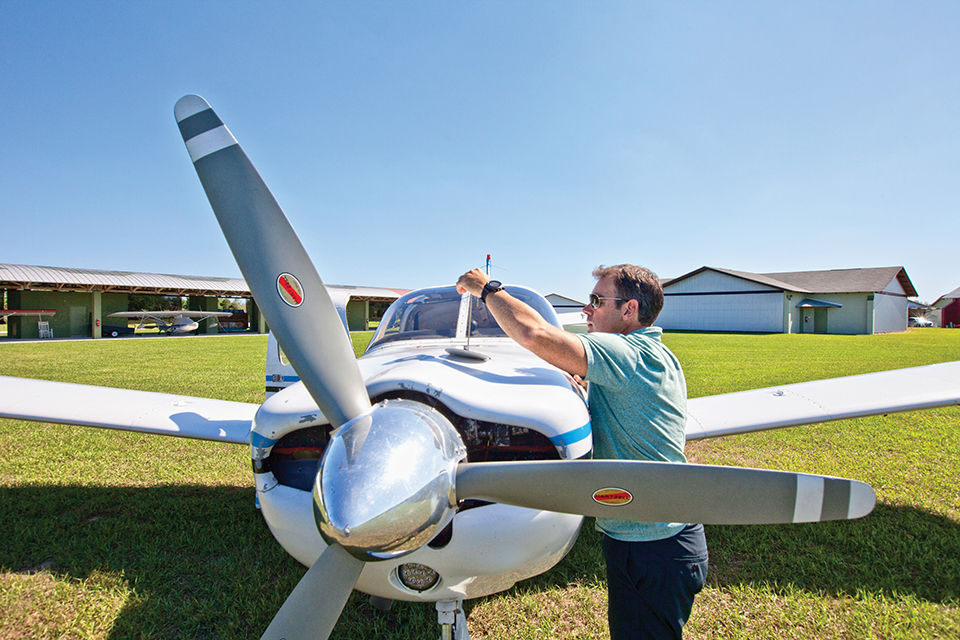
453,622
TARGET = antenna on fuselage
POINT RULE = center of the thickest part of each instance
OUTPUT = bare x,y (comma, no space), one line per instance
465,324
470,309
469,321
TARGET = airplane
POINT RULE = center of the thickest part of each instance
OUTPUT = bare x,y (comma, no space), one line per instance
180,321
446,463
573,321
14,313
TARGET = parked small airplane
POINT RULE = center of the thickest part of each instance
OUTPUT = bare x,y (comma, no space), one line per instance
8,313
179,321
447,463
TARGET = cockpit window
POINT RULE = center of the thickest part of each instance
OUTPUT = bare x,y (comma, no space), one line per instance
435,313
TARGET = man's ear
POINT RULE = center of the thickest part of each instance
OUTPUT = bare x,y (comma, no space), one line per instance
630,309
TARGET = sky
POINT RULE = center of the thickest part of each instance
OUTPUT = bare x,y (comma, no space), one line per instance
407,140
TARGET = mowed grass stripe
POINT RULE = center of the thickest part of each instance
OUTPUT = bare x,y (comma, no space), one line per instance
119,535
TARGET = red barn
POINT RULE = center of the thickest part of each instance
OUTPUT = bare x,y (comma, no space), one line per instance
949,306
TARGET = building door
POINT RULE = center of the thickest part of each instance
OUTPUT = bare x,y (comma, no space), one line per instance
78,321
820,320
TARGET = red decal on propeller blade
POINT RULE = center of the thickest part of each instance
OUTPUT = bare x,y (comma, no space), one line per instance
290,289
613,497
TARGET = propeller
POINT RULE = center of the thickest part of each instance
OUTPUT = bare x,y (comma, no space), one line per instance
301,315
274,264
392,475
333,574
665,492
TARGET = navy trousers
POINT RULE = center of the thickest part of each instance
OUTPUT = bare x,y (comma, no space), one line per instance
651,585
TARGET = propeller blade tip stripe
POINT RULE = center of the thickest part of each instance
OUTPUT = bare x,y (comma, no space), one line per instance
202,130
820,499
836,499
809,502
199,123
211,141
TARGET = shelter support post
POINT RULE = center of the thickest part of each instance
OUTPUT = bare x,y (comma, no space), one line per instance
205,303
96,328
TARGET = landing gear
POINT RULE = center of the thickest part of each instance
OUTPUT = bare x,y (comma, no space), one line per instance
381,604
453,622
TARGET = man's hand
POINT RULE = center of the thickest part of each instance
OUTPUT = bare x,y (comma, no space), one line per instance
472,281
527,327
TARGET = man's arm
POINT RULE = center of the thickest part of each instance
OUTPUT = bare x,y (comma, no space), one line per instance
528,328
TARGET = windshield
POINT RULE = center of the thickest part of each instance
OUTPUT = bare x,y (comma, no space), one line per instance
440,313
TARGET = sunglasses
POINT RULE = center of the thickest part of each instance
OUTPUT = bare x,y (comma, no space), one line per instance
596,301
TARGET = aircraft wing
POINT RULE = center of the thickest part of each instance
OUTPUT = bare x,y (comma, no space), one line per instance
203,315
170,314
572,319
126,410
142,314
936,385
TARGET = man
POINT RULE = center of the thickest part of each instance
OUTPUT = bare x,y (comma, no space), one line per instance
638,399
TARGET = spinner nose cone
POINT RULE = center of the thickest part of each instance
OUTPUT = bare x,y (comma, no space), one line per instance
386,483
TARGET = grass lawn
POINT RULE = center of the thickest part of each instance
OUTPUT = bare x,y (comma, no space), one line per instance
121,535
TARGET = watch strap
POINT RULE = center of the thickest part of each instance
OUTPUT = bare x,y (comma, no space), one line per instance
488,289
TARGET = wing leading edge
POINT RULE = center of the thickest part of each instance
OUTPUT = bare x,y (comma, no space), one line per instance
870,394
126,410
936,385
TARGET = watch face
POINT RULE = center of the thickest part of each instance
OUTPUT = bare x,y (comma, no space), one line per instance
493,284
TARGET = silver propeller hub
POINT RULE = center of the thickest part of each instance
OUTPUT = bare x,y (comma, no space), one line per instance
387,481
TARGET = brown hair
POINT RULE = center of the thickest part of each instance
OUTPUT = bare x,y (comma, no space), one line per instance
636,283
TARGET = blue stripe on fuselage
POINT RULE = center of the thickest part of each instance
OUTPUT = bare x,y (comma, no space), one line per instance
568,438
260,442
283,379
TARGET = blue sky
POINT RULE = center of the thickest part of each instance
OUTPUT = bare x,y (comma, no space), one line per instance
407,140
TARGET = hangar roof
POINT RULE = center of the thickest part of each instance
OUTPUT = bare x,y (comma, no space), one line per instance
755,277
869,280
847,280
953,295
945,299
18,276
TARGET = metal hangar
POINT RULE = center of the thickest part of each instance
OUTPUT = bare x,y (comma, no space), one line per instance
840,301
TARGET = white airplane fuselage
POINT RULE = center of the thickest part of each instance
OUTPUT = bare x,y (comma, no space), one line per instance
512,405
182,324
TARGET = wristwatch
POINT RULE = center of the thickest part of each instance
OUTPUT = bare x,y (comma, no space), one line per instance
491,287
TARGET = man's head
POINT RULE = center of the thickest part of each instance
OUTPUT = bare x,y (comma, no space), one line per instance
631,297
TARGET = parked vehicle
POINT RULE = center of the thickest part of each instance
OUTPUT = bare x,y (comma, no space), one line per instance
109,331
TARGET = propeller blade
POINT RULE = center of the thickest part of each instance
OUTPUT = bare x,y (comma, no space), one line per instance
665,492
313,607
274,264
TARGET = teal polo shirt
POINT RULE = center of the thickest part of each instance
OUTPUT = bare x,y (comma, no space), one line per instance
638,411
